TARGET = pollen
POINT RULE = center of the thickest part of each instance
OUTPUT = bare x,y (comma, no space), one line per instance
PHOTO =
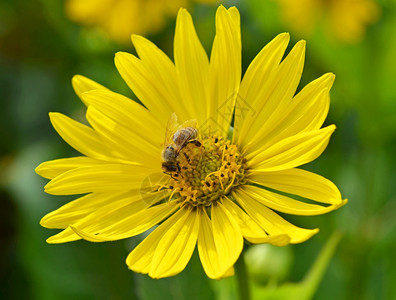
207,170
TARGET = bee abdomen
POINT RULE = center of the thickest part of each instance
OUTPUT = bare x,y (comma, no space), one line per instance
185,134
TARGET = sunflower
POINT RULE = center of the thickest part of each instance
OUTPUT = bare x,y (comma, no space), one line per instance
119,18
228,162
345,20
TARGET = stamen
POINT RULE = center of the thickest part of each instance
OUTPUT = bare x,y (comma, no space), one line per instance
213,173
173,192
221,183
222,158
230,185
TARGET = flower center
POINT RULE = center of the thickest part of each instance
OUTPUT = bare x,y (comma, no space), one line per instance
207,170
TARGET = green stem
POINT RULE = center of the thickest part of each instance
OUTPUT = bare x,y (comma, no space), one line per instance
242,278
312,279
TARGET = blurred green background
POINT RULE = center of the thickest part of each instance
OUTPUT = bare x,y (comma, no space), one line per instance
40,51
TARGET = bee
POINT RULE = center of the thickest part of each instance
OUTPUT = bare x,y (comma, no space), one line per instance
169,156
176,138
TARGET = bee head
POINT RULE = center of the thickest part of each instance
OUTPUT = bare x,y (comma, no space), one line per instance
169,167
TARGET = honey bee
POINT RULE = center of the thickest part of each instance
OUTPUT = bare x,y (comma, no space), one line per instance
176,138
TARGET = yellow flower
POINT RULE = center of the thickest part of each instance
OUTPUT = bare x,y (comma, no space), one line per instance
221,186
120,18
346,20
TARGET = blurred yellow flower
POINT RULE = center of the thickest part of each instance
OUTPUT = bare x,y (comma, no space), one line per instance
121,18
210,184
345,20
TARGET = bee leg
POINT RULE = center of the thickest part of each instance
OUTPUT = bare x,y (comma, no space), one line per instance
179,170
196,143
187,157
172,175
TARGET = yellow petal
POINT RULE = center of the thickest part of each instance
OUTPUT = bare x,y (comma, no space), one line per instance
192,67
143,83
125,226
279,240
227,237
81,137
275,95
302,183
291,152
176,246
256,77
51,169
164,74
102,178
236,18
249,228
225,71
230,272
140,259
271,222
107,219
252,231
76,210
128,145
82,84
208,253
127,113
117,205
314,96
65,236
286,204
305,112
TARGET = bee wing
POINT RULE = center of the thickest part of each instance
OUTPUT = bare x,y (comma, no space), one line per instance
182,139
171,128
188,123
